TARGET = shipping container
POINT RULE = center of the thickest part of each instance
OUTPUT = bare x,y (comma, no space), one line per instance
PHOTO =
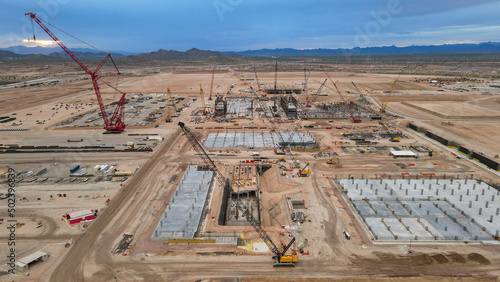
74,168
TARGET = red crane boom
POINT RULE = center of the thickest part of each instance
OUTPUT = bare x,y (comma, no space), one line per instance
354,119
116,122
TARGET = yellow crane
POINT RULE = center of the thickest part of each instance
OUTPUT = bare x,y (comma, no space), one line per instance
392,137
203,101
384,106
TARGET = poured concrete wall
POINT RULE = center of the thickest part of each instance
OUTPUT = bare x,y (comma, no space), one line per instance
182,215
430,209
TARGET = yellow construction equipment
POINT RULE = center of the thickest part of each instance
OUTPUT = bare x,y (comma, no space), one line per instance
392,137
303,172
390,93
203,101
333,161
281,160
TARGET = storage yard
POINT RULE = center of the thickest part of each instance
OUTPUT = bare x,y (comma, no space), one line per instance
413,191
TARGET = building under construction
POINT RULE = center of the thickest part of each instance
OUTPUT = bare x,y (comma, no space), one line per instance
289,105
220,107
288,89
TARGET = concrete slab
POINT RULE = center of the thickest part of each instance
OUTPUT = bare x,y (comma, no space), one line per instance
432,209
183,213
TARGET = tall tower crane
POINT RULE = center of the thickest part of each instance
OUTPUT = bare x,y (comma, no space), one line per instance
203,101
115,123
275,75
170,105
280,256
384,106
354,119
392,137
211,85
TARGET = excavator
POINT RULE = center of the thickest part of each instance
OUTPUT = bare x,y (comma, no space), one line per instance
333,161
280,257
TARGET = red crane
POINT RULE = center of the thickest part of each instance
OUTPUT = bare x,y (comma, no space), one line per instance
115,124
354,119
211,85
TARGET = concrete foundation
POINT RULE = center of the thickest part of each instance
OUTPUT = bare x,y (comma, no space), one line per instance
182,215
255,140
425,210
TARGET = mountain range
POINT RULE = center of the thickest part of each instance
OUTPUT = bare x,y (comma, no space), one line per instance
446,48
47,53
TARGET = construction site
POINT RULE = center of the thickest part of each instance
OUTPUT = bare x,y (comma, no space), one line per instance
198,172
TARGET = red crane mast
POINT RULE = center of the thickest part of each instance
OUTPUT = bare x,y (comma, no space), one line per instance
354,119
116,122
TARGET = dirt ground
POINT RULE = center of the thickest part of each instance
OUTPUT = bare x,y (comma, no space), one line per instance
137,205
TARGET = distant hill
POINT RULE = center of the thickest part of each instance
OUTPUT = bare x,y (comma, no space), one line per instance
447,48
191,54
85,55
7,55
23,50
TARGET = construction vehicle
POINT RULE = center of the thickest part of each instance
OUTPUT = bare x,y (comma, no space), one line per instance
116,123
130,145
303,172
384,106
333,161
281,160
354,119
392,137
203,101
280,257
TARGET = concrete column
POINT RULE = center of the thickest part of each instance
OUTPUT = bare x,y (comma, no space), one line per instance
491,218
467,192
164,215
371,186
437,192
415,186
486,205
474,186
461,197
406,193
419,206
477,198
421,191
361,192
446,228
480,211
498,210
356,186
452,192
459,186
376,192
492,198
482,193
470,204
444,187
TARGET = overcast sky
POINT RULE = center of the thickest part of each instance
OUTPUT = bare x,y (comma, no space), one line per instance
236,25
